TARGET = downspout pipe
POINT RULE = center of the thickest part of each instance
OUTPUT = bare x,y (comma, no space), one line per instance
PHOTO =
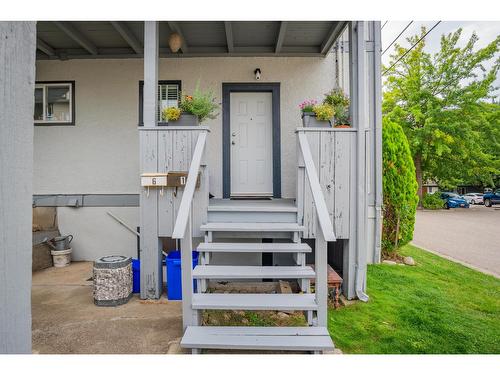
377,113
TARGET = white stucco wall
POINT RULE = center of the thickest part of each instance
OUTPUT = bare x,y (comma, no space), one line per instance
96,233
100,154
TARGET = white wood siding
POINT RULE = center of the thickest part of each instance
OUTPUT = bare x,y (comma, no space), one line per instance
175,150
331,152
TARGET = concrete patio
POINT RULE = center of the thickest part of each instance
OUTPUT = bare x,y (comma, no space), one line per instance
66,321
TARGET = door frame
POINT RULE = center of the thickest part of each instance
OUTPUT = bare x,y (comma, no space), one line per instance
227,89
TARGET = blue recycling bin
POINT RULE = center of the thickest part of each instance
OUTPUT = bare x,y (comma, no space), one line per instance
174,274
136,276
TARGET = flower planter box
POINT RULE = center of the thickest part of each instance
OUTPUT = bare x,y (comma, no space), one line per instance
185,120
309,120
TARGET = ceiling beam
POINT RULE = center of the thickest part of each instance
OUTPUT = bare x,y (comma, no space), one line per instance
229,36
128,36
281,37
176,27
44,47
77,36
332,35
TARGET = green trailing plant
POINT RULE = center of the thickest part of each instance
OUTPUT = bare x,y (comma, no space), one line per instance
342,116
336,97
399,188
340,103
432,201
201,104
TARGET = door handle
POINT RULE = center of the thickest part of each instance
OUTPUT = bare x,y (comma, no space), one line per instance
233,143
233,134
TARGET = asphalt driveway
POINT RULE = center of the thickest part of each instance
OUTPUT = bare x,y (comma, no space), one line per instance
470,236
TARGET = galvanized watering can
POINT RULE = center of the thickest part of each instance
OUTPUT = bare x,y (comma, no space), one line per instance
60,242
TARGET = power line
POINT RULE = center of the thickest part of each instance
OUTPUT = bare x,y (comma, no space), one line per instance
401,33
413,46
383,25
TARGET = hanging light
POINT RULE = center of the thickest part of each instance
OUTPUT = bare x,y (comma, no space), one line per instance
175,42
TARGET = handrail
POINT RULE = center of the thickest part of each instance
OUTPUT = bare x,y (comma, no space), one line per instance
187,197
318,197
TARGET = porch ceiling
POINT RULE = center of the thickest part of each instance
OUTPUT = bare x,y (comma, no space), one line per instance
101,39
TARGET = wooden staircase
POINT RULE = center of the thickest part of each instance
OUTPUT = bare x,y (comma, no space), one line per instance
227,223
250,220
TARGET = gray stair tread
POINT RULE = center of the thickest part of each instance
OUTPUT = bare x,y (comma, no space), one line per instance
253,272
252,227
251,301
258,338
253,205
256,247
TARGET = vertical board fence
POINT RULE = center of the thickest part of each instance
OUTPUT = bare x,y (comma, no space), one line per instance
331,152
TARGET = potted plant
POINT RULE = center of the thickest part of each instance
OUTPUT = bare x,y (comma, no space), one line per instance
193,109
316,115
342,117
340,102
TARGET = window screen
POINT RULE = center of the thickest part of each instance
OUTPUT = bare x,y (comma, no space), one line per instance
169,95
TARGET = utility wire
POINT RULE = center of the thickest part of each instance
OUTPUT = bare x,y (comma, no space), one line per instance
383,25
394,41
413,46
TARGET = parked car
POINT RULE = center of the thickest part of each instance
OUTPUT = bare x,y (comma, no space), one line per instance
453,200
491,198
474,198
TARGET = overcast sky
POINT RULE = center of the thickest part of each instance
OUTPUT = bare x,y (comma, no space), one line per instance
486,31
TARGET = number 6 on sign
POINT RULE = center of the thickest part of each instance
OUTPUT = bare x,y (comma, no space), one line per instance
154,180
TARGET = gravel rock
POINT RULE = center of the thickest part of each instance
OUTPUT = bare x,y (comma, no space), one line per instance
282,315
389,262
409,261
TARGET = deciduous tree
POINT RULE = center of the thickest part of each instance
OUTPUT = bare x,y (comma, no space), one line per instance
440,102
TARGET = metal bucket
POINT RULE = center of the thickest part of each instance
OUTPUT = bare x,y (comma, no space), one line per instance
61,242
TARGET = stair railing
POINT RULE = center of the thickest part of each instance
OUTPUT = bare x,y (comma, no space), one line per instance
322,236
183,230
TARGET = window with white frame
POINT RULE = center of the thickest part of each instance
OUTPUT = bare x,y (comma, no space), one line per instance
169,95
54,103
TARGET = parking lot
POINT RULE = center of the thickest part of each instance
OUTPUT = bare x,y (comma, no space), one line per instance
470,236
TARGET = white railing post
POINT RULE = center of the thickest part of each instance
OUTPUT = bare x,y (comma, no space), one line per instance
183,230
321,285
188,317
324,233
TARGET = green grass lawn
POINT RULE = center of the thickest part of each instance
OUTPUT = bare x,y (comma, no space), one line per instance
435,307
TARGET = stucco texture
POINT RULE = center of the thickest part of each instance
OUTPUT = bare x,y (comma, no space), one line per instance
100,153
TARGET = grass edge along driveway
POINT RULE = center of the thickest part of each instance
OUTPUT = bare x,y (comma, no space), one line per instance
435,307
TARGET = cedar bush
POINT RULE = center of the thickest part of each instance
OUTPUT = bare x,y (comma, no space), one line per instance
400,188
432,201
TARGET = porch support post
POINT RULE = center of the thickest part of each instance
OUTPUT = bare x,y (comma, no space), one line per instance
375,137
356,250
150,246
360,122
17,82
